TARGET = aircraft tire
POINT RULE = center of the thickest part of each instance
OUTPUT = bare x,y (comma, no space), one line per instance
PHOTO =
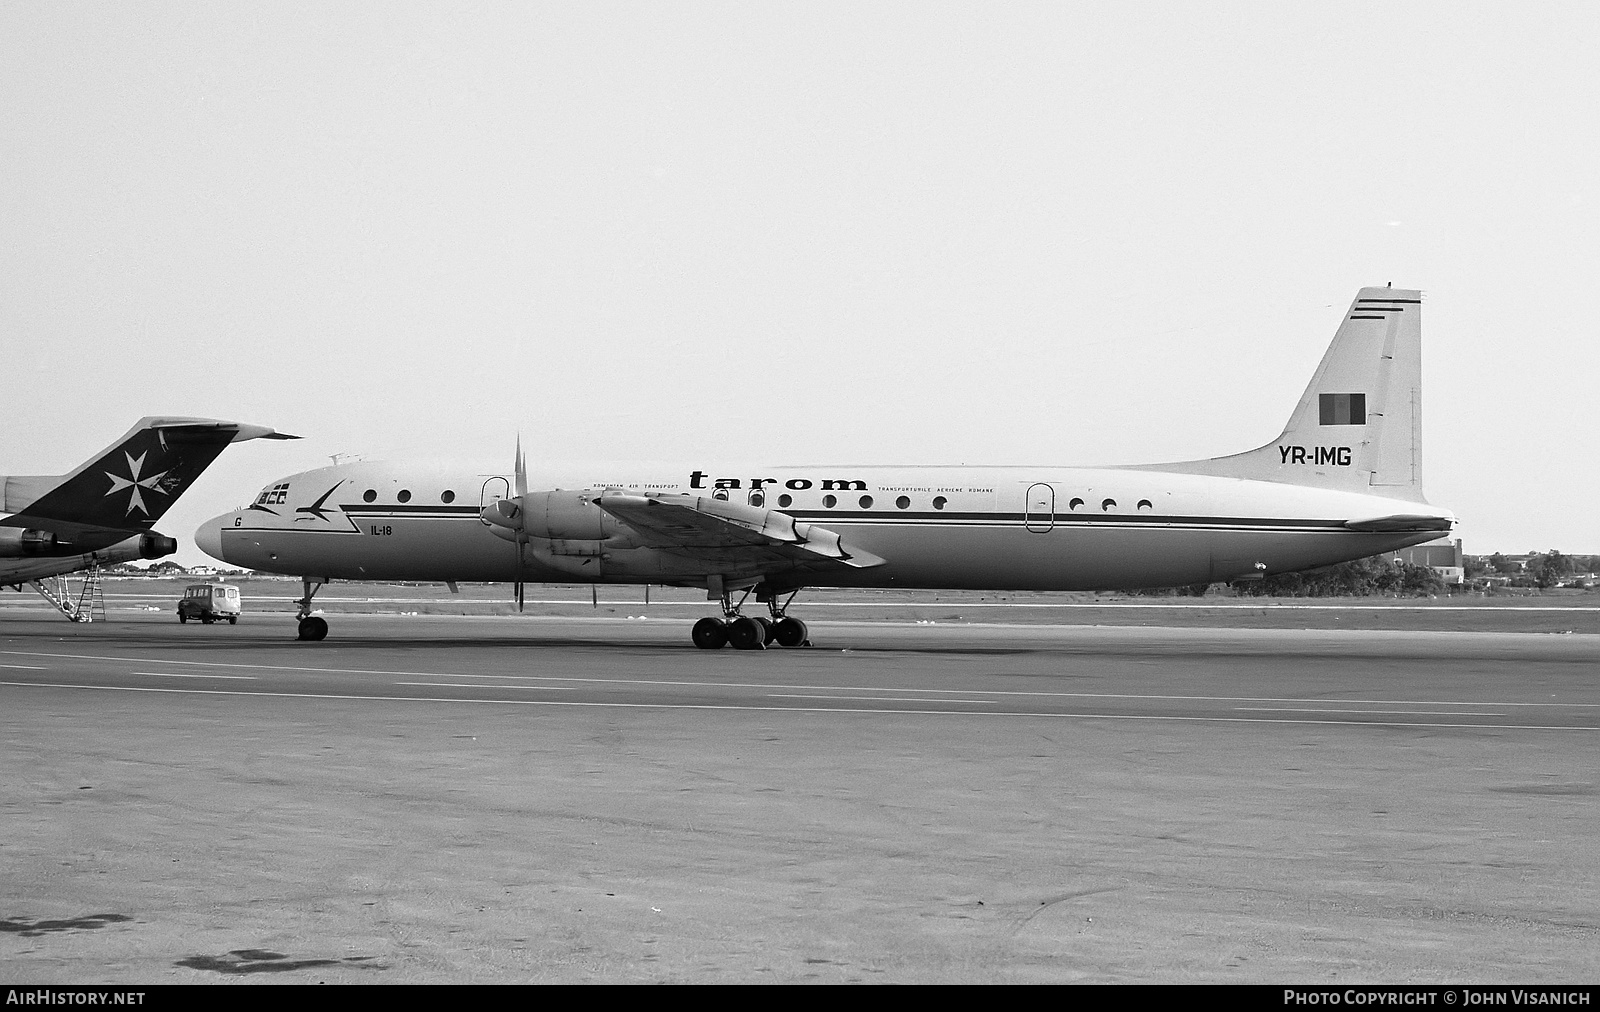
766,630
313,629
790,632
746,633
710,634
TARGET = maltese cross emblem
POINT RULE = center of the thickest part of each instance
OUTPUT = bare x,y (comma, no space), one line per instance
136,483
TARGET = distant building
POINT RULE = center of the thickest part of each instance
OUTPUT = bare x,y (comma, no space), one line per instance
1442,556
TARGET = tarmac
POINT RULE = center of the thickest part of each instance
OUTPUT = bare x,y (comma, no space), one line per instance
573,798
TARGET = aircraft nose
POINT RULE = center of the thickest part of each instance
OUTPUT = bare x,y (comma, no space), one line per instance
208,536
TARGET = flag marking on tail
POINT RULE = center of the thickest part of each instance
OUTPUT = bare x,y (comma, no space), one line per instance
1342,409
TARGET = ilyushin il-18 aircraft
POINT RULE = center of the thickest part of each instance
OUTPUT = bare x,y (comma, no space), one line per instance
1342,482
103,512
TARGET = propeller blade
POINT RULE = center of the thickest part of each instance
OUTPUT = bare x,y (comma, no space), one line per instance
519,575
521,470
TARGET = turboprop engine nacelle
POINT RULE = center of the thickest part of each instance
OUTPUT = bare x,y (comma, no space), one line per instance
552,516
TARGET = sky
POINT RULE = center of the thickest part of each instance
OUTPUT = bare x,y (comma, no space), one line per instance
914,233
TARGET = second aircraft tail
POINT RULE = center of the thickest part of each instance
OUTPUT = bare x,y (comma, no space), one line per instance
126,487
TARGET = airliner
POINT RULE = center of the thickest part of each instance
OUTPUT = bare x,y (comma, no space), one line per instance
1343,481
103,512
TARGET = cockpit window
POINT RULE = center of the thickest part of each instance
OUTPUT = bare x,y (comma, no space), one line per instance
277,495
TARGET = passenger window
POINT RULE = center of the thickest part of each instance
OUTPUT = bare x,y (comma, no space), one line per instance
405,495
369,495
785,501
939,501
447,497
904,502
866,502
1146,505
1107,505
757,499
1074,504
830,501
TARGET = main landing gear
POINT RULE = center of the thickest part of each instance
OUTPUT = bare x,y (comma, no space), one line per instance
751,632
312,627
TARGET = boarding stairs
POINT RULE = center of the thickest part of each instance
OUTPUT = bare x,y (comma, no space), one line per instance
87,605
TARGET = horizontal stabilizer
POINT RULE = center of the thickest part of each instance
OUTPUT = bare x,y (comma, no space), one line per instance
1400,523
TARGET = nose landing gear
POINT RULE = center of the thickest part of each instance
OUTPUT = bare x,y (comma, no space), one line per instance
751,632
312,627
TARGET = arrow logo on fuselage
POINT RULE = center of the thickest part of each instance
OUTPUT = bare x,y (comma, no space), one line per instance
316,509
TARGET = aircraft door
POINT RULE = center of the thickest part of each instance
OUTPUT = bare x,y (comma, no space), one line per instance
1040,515
494,490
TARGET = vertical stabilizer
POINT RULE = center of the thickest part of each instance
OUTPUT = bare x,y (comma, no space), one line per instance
1358,426
129,484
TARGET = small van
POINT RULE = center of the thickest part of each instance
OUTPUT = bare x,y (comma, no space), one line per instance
210,602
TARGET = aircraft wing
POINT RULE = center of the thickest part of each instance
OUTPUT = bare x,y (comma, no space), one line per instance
742,537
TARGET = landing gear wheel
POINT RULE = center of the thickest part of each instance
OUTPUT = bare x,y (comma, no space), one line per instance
313,629
790,632
746,633
766,630
710,634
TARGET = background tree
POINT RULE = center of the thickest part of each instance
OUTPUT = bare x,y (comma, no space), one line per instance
1362,578
1549,568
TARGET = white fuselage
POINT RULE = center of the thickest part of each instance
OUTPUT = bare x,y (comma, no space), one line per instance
1012,528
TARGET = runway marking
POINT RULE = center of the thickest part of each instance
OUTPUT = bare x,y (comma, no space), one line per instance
804,709
25,667
477,685
169,674
874,699
1415,713
781,685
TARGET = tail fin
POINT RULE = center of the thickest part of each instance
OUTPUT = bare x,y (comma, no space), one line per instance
1358,426
130,484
